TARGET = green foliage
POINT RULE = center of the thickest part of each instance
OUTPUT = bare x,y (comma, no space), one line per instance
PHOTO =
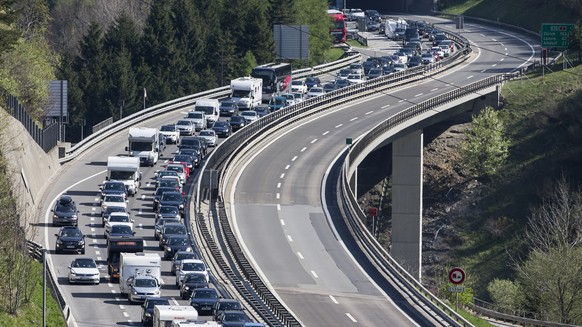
465,297
248,63
314,14
505,293
8,16
486,149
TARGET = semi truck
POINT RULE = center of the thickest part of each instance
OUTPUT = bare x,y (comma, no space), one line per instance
115,247
126,170
140,263
165,315
247,92
144,143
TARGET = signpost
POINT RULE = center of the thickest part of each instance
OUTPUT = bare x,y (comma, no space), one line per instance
556,35
457,277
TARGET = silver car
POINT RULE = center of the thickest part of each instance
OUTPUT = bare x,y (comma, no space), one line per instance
142,286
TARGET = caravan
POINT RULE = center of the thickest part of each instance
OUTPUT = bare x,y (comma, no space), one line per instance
144,143
126,170
247,92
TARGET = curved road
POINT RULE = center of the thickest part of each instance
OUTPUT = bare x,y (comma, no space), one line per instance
277,206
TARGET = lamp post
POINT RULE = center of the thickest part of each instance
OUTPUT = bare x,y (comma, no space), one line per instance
121,103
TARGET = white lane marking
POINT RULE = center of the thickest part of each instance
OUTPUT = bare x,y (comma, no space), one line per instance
506,53
92,218
401,100
351,317
97,199
99,258
279,208
419,94
122,307
113,291
501,59
325,133
493,65
294,158
505,49
143,197
287,167
94,241
278,185
313,141
162,282
145,243
483,35
355,118
469,77
125,314
117,299
333,299
109,284
435,89
386,106
484,70
92,229
300,255
97,252
338,126
282,222
282,175
289,238
140,226
314,274
93,209
494,40
175,301
139,212
369,112
278,195
304,148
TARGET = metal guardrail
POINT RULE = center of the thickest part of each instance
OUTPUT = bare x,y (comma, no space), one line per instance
516,316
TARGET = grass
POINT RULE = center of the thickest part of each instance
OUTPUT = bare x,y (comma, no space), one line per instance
30,314
355,43
476,321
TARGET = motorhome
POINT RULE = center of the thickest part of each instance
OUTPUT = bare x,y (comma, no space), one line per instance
126,170
247,92
165,315
144,143
211,109
140,263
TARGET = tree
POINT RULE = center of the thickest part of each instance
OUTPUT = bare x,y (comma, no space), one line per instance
505,293
313,13
8,16
486,149
281,12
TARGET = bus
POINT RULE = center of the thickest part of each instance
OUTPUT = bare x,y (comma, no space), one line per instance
338,31
276,78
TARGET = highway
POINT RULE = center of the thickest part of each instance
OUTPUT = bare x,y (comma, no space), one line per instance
276,203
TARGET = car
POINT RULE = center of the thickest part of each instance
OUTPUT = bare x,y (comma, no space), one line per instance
409,53
399,34
178,168
84,270
203,300
427,58
232,318
117,218
160,224
147,311
328,87
398,67
375,72
228,108
196,143
311,81
373,15
369,65
210,136
356,78
297,97
168,212
195,153
315,92
171,132
356,14
277,103
198,118
70,239
113,187
237,122
341,83
175,243
226,304
372,26
65,212
449,44
185,158
191,282
343,73
222,128
438,51
437,38
414,61
189,266
178,257
119,231
141,287
171,229
160,190
250,116
185,126
173,199
113,200
356,68
299,86
108,211
289,99
164,175
263,109
402,57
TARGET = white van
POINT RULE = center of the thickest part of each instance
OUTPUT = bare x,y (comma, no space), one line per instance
210,107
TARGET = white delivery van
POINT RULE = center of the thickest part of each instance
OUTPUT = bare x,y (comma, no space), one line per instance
247,92
126,170
166,315
144,143
140,263
211,109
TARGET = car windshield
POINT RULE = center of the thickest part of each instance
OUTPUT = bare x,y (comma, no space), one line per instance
162,190
114,187
206,133
236,119
249,113
84,263
184,122
172,196
119,218
65,208
235,317
168,128
153,302
185,255
178,169
316,90
171,230
195,278
167,173
193,266
120,229
220,124
227,104
113,198
163,221
297,82
195,115
114,209
71,233
230,305
168,209
177,241
145,282
205,294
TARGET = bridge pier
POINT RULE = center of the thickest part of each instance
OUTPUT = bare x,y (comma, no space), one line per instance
407,202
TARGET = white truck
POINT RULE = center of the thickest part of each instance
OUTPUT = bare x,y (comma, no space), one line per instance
140,263
165,315
144,143
126,170
211,109
247,92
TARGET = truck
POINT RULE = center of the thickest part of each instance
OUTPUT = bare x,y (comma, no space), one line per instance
165,315
247,92
115,247
211,109
144,143
126,170
140,263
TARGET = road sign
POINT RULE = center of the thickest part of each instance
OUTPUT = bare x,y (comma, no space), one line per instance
556,35
457,276
373,211
457,289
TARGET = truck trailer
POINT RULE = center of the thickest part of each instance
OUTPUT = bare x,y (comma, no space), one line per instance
165,315
115,247
247,92
144,143
126,170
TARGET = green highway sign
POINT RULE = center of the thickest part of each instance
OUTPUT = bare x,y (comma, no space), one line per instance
556,35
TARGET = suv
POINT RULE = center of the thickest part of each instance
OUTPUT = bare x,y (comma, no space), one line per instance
198,118
65,212
148,305
70,238
113,187
171,229
189,266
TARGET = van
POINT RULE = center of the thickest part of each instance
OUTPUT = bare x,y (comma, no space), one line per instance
411,33
210,107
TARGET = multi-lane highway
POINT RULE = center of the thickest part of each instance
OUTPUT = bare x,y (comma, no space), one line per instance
276,204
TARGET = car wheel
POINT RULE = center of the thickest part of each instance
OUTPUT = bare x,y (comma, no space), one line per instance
177,282
83,251
57,251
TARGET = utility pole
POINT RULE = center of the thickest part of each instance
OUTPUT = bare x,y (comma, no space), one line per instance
121,103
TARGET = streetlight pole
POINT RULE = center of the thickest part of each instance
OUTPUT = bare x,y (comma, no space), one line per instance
121,103
44,288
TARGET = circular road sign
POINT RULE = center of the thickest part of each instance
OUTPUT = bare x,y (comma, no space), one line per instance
457,276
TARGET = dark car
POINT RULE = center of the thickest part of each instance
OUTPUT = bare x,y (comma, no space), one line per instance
262,110
232,318
113,187
340,83
173,199
312,81
120,231
190,142
105,213
369,65
372,26
195,153
171,229
375,72
147,308
159,192
373,15
203,299
188,159
237,122
168,212
179,256
328,87
415,61
70,239
191,282
226,304
160,224
175,243
65,212
222,129
228,108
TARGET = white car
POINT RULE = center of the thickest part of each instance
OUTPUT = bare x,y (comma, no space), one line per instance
84,270
113,200
178,168
210,136
250,116
438,50
402,57
356,78
427,58
142,287
117,218
315,92
398,67
198,118
298,96
185,126
190,266
299,86
289,99
171,132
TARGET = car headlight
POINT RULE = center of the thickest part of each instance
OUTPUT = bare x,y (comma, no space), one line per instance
134,292
147,314
73,273
81,242
168,249
187,287
181,206
188,249
157,292
55,216
59,241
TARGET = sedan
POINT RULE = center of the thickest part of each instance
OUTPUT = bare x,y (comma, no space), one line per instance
298,86
237,122
340,83
117,218
203,299
427,58
173,199
159,192
210,136
191,282
222,128
263,109
357,68
113,187
147,312
185,158
113,200
228,108
250,116
375,72
84,270
185,126
168,212
328,87
178,257
160,225
315,92
343,73
120,231
111,209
